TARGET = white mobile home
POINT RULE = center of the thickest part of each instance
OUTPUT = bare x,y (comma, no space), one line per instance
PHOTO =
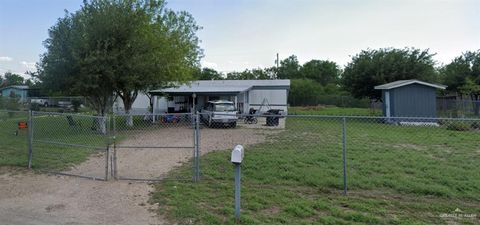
258,94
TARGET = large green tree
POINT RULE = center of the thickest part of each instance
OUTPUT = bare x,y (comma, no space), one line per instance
10,78
208,74
374,67
322,71
289,68
120,47
462,76
253,74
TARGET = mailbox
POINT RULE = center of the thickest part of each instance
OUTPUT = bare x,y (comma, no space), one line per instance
237,154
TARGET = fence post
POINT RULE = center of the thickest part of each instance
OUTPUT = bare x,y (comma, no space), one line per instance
344,147
107,150
194,161
197,137
30,138
115,174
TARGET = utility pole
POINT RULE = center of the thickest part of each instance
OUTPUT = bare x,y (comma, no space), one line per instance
277,62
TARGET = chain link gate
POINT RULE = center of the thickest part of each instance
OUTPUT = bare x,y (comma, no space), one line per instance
147,147
70,144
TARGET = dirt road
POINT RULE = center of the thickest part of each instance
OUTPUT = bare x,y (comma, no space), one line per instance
27,198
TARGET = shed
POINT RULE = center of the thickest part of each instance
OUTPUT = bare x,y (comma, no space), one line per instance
409,98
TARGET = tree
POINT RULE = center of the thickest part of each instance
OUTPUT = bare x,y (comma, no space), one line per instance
374,67
462,76
12,79
289,68
208,74
254,74
303,91
323,72
121,47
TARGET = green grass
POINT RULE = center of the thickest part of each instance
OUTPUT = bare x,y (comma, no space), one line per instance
55,139
333,111
397,175
48,156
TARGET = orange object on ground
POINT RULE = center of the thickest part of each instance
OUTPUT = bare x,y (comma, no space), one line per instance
22,125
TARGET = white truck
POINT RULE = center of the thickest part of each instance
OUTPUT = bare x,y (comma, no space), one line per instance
41,101
219,112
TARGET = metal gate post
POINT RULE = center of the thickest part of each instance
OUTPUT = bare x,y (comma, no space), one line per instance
197,137
115,169
194,160
30,138
107,150
107,155
344,147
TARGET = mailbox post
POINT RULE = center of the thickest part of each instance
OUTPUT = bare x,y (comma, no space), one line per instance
237,158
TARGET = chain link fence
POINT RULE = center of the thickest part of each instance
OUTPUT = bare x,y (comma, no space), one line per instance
147,146
413,155
141,147
71,144
13,138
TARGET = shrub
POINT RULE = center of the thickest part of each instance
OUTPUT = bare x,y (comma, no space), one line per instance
475,125
76,104
458,126
35,106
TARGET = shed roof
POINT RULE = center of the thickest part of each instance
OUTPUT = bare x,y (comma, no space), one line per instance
401,83
223,86
22,87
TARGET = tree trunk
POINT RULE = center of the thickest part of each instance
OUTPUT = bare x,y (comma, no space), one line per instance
99,103
129,121
476,106
150,98
128,97
100,124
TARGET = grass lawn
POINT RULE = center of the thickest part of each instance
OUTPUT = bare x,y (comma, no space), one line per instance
397,175
48,156
55,137
332,111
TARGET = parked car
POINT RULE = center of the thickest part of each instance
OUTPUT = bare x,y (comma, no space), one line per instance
219,112
41,101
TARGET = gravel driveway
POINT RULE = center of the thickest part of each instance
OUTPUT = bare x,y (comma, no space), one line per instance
27,198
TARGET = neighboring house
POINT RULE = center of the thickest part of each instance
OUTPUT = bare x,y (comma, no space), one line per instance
246,94
409,98
20,91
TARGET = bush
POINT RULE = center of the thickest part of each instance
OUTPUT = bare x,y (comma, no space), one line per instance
35,106
475,125
458,126
76,104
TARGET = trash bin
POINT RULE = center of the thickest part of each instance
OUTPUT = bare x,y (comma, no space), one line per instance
273,120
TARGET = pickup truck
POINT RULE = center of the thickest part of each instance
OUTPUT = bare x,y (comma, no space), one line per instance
41,101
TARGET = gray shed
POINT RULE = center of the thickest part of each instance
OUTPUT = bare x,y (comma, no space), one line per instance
409,98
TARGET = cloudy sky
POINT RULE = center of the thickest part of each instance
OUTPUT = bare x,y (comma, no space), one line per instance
248,33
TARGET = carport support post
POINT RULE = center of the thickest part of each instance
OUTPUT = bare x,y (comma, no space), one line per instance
344,146
30,138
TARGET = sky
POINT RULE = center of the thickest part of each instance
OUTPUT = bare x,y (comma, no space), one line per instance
246,34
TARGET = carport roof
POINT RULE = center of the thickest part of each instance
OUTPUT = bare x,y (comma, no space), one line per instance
221,86
185,89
